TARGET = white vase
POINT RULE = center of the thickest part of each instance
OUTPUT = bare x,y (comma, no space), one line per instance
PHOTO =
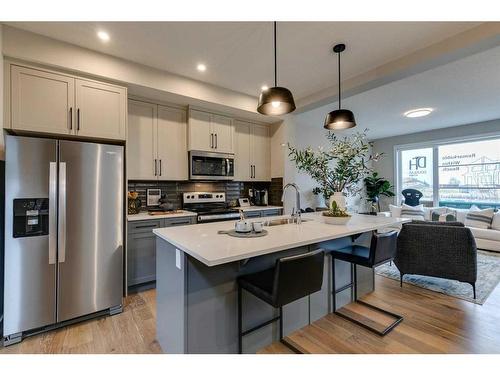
339,198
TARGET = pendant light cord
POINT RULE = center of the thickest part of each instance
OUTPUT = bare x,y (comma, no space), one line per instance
275,63
339,82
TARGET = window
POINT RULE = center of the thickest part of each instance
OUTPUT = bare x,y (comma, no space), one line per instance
469,173
416,171
452,174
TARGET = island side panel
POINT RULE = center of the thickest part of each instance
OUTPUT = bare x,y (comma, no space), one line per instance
212,310
171,280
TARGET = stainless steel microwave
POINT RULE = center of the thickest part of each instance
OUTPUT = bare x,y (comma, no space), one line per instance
210,166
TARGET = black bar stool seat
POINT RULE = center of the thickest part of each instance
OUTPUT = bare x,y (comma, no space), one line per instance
260,284
382,249
292,278
353,254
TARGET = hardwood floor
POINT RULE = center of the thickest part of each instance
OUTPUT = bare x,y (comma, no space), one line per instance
132,331
433,323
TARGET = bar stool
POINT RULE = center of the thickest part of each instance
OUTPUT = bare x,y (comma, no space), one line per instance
382,250
292,278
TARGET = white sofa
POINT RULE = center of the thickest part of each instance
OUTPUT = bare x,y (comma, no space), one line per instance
486,239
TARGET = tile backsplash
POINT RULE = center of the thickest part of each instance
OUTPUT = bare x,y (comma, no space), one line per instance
233,189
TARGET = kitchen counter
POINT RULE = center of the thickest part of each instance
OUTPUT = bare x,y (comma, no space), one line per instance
203,242
145,216
197,272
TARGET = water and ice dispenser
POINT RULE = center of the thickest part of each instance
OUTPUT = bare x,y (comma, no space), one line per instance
31,217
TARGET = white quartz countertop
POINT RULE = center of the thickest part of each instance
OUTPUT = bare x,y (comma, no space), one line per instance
146,216
202,241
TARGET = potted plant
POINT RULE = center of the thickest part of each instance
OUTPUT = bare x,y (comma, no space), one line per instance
339,169
336,215
375,188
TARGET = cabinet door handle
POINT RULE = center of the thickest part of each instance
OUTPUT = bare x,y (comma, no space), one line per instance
254,171
156,168
146,226
251,171
78,119
211,140
160,165
180,223
215,140
71,118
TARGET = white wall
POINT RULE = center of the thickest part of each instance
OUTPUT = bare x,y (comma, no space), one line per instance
385,167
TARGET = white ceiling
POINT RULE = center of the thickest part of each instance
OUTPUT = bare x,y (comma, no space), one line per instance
238,55
462,92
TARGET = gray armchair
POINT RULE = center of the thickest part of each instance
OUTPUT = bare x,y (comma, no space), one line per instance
446,250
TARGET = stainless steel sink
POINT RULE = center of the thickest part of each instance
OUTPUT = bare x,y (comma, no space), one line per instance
275,222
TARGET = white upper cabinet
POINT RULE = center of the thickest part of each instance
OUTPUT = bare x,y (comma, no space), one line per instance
200,136
141,141
101,110
243,169
260,145
223,133
172,144
48,102
210,132
157,142
252,152
41,101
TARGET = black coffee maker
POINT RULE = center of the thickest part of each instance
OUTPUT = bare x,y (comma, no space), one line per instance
258,197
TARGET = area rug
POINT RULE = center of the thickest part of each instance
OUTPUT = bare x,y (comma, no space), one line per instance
488,277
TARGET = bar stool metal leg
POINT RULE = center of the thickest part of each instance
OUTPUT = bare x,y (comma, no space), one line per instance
398,318
281,324
240,331
334,298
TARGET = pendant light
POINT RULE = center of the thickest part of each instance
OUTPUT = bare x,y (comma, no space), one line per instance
339,119
276,100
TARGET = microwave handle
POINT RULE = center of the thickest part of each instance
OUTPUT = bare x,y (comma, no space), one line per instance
227,167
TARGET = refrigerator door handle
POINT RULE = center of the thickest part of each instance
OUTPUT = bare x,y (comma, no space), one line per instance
62,212
52,212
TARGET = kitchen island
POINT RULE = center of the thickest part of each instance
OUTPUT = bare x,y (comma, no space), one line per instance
197,269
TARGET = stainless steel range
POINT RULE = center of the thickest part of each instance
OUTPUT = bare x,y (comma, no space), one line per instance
210,207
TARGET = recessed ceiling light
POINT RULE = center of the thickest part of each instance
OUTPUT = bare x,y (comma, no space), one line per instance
103,35
419,112
264,88
201,67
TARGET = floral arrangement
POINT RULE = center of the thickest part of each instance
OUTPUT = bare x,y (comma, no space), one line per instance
339,168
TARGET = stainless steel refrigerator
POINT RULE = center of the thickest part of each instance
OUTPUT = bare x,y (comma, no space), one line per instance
64,203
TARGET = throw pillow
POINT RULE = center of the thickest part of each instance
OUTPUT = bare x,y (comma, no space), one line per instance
395,210
495,223
477,218
414,213
437,212
447,217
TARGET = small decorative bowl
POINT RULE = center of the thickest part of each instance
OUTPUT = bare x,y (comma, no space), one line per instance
336,220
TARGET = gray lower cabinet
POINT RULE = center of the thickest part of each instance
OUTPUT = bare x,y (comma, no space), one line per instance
141,248
263,213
